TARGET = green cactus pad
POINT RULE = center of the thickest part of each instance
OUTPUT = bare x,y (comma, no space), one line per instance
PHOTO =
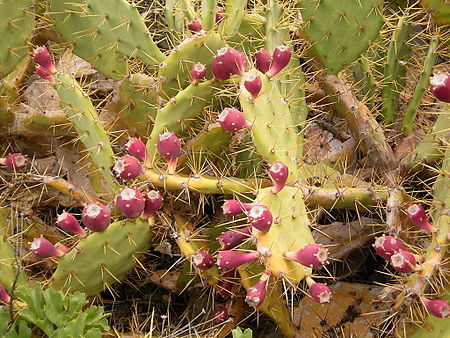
440,10
273,129
103,258
16,25
339,31
175,70
103,32
290,231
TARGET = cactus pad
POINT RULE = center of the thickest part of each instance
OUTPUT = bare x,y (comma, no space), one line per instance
440,10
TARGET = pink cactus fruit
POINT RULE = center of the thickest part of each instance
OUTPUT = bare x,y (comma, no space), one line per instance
4,297
15,161
257,293
219,71
235,207
231,60
43,248
198,71
221,315
219,15
44,68
130,202
232,259
262,60
194,26
153,202
253,84
280,58
386,246
311,255
437,307
137,149
44,73
418,216
128,167
320,292
62,247
169,148
203,260
232,238
260,218
279,173
69,223
231,120
440,86
403,261
96,217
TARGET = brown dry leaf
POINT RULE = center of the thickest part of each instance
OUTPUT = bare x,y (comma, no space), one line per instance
352,313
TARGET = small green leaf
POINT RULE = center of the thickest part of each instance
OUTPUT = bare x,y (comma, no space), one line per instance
96,318
54,307
237,333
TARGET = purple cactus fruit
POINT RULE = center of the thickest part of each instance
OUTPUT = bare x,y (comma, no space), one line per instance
260,218
311,255
279,173
14,161
403,261
219,71
96,217
4,297
253,84
130,202
198,71
257,293
128,167
232,60
235,207
194,26
386,246
221,315
43,248
320,292
138,149
232,259
219,15
153,202
203,260
69,223
440,86
169,148
231,120
418,216
262,60
280,58
437,307
42,57
232,238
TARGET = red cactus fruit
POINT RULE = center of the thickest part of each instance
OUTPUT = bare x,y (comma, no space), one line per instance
4,297
257,293
153,202
232,238
169,148
418,216
232,259
280,58
219,15
231,120
440,86
224,288
137,148
130,202
42,57
69,223
437,307
320,292
221,315
96,217
44,73
262,60
253,84
43,248
194,26
386,246
198,71
203,260
279,173
128,167
403,261
311,255
232,60
260,218
15,161
235,207
219,71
